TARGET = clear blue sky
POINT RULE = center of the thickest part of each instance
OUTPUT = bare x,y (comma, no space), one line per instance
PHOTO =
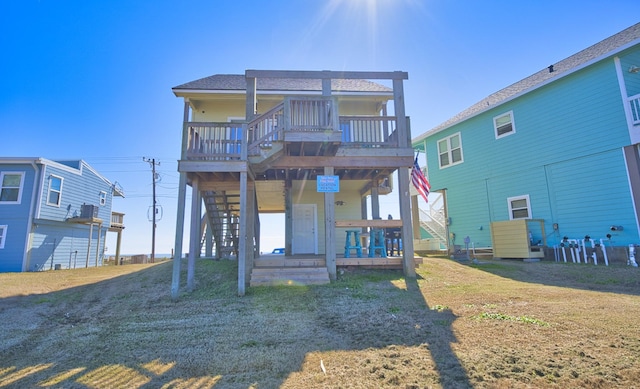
92,79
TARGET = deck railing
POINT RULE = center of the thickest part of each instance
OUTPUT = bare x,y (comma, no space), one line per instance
634,102
214,141
117,219
266,129
223,141
369,131
310,113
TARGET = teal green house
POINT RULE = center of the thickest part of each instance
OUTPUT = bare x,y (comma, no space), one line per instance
558,148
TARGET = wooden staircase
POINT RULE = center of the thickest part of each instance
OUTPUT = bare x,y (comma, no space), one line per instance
224,223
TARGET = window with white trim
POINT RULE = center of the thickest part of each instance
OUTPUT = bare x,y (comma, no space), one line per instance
11,187
450,150
504,125
102,198
3,235
519,207
55,191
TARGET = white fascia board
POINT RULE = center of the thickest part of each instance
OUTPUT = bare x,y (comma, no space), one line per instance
184,92
21,160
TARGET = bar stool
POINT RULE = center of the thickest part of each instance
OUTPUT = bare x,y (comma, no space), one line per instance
377,243
357,246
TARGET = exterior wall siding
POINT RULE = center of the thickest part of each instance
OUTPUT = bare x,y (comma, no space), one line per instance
65,245
16,218
50,239
531,182
631,80
566,154
591,194
221,110
78,187
469,213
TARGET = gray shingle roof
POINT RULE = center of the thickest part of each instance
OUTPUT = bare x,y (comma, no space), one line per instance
607,47
237,82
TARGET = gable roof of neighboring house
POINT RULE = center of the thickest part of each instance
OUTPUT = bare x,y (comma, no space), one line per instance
238,83
606,48
71,165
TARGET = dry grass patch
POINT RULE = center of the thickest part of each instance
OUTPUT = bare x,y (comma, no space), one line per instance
500,324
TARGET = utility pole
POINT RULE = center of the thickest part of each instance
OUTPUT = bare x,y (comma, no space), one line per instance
153,164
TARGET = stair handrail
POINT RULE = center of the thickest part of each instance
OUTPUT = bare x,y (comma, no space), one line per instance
254,139
433,225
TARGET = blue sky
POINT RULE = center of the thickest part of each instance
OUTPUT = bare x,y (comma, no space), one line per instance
92,79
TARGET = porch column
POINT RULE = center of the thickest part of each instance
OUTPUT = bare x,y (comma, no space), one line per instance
242,238
209,238
118,243
415,217
375,200
98,243
330,228
86,264
326,87
194,235
404,135
408,263
256,225
404,140
251,252
251,107
363,211
182,189
288,216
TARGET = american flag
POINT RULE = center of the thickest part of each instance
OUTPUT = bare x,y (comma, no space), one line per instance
420,181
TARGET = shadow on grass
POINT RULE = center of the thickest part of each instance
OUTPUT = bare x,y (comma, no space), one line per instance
368,329
615,278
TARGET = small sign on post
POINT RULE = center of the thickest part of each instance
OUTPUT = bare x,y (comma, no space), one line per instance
328,183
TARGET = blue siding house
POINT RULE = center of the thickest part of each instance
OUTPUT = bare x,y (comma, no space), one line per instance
54,214
560,147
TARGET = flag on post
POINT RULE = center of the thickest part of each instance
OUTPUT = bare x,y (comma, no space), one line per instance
420,181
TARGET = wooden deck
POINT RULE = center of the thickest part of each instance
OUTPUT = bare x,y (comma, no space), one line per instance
311,269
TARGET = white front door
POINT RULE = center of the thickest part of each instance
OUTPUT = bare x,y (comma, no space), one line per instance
305,239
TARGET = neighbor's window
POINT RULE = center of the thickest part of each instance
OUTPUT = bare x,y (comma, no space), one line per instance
3,235
103,197
450,150
55,190
519,207
11,187
504,125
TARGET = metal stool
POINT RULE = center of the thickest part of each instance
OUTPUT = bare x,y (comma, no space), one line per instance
348,247
377,243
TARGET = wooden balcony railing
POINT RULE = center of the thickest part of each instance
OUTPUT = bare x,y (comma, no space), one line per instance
214,141
310,114
117,219
223,141
266,129
369,131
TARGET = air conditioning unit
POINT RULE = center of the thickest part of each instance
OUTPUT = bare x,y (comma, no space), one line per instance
88,211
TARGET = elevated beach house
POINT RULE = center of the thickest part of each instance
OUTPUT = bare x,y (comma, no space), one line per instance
549,162
54,214
314,145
